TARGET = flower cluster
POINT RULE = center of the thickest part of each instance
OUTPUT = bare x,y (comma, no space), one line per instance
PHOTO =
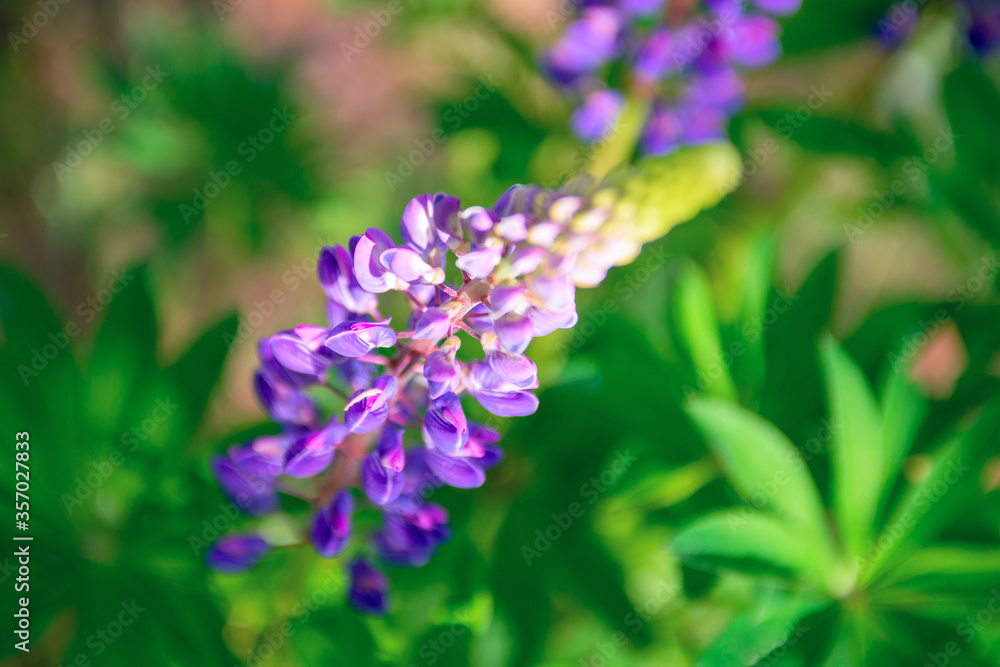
402,429
687,60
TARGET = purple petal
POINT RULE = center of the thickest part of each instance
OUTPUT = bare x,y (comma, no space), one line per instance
356,339
368,589
285,404
480,263
447,217
417,225
253,493
445,426
513,228
526,259
547,321
478,223
331,528
368,408
379,483
704,124
294,354
598,115
753,41
440,365
663,132
312,454
557,293
236,553
721,90
515,332
518,403
409,266
457,471
263,457
336,275
370,272
506,296
433,324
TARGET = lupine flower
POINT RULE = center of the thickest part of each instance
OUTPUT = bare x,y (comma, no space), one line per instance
403,427
690,70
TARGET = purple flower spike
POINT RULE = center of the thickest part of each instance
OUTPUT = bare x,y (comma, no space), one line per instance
356,339
236,553
382,472
598,115
368,589
336,275
457,471
331,529
445,426
368,268
433,324
311,454
369,408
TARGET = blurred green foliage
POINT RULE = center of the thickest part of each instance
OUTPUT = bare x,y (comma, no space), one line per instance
792,377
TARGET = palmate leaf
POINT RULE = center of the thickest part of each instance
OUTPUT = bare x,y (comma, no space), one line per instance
858,456
950,488
903,410
754,634
766,469
747,541
958,572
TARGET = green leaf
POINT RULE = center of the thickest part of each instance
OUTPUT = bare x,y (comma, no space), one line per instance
694,317
743,540
760,462
754,634
973,104
124,353
903,409
950,489
858,457
957,571
196,374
